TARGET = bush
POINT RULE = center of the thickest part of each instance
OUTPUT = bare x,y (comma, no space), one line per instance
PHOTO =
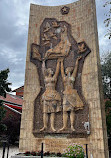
74,151
27,153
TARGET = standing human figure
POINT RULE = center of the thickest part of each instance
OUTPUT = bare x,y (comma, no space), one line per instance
51,99
71,99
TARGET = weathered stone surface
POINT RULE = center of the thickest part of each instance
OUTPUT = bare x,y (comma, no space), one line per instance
82,18
63,89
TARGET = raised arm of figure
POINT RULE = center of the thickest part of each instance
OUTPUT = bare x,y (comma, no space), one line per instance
57,69
76,67
43,67
62,69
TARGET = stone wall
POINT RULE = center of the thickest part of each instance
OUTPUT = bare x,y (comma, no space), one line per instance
82,18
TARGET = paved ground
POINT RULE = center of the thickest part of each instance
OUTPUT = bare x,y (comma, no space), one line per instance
12,152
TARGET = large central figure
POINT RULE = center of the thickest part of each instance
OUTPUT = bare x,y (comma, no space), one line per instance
51,98
71,99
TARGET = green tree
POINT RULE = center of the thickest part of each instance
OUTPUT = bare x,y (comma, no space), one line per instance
106,78
2,115
4,88
107,21
106,74
4,84
108,116
13,128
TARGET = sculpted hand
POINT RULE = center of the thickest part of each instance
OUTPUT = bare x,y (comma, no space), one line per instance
79,57
43,64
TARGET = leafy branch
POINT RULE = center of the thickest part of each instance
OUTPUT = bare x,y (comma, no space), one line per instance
107,21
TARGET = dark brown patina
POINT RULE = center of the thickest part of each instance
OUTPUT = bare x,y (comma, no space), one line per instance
49,38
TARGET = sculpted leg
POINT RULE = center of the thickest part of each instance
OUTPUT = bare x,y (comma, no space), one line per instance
65,117
72,118
52,118
45,121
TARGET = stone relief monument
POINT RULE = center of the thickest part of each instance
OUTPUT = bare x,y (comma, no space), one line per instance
62,96
61,89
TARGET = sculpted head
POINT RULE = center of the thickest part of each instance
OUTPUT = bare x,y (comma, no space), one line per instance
49,72
69,71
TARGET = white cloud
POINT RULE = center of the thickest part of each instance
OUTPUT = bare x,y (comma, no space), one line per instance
54,2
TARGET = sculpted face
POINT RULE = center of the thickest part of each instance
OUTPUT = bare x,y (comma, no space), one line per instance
68,71
50,72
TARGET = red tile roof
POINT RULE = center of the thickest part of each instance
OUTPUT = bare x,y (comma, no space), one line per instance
17,89
12,98
12,101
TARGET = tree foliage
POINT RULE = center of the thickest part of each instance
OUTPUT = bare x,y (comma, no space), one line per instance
4,87
10,126
106,78
106,75
4,84
108,116
13,128
2,115
107,21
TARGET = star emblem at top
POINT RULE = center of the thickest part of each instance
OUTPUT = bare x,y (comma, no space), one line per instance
65,10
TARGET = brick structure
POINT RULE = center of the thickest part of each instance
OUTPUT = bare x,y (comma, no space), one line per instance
19,91
13,106
82,18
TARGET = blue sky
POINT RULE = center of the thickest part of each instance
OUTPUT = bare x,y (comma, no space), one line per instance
14,18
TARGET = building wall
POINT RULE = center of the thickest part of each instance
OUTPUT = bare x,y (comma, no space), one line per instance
20,91
82,17
11,114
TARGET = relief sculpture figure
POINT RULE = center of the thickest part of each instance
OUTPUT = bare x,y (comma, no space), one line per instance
62,48
60,98
71,99
51,99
